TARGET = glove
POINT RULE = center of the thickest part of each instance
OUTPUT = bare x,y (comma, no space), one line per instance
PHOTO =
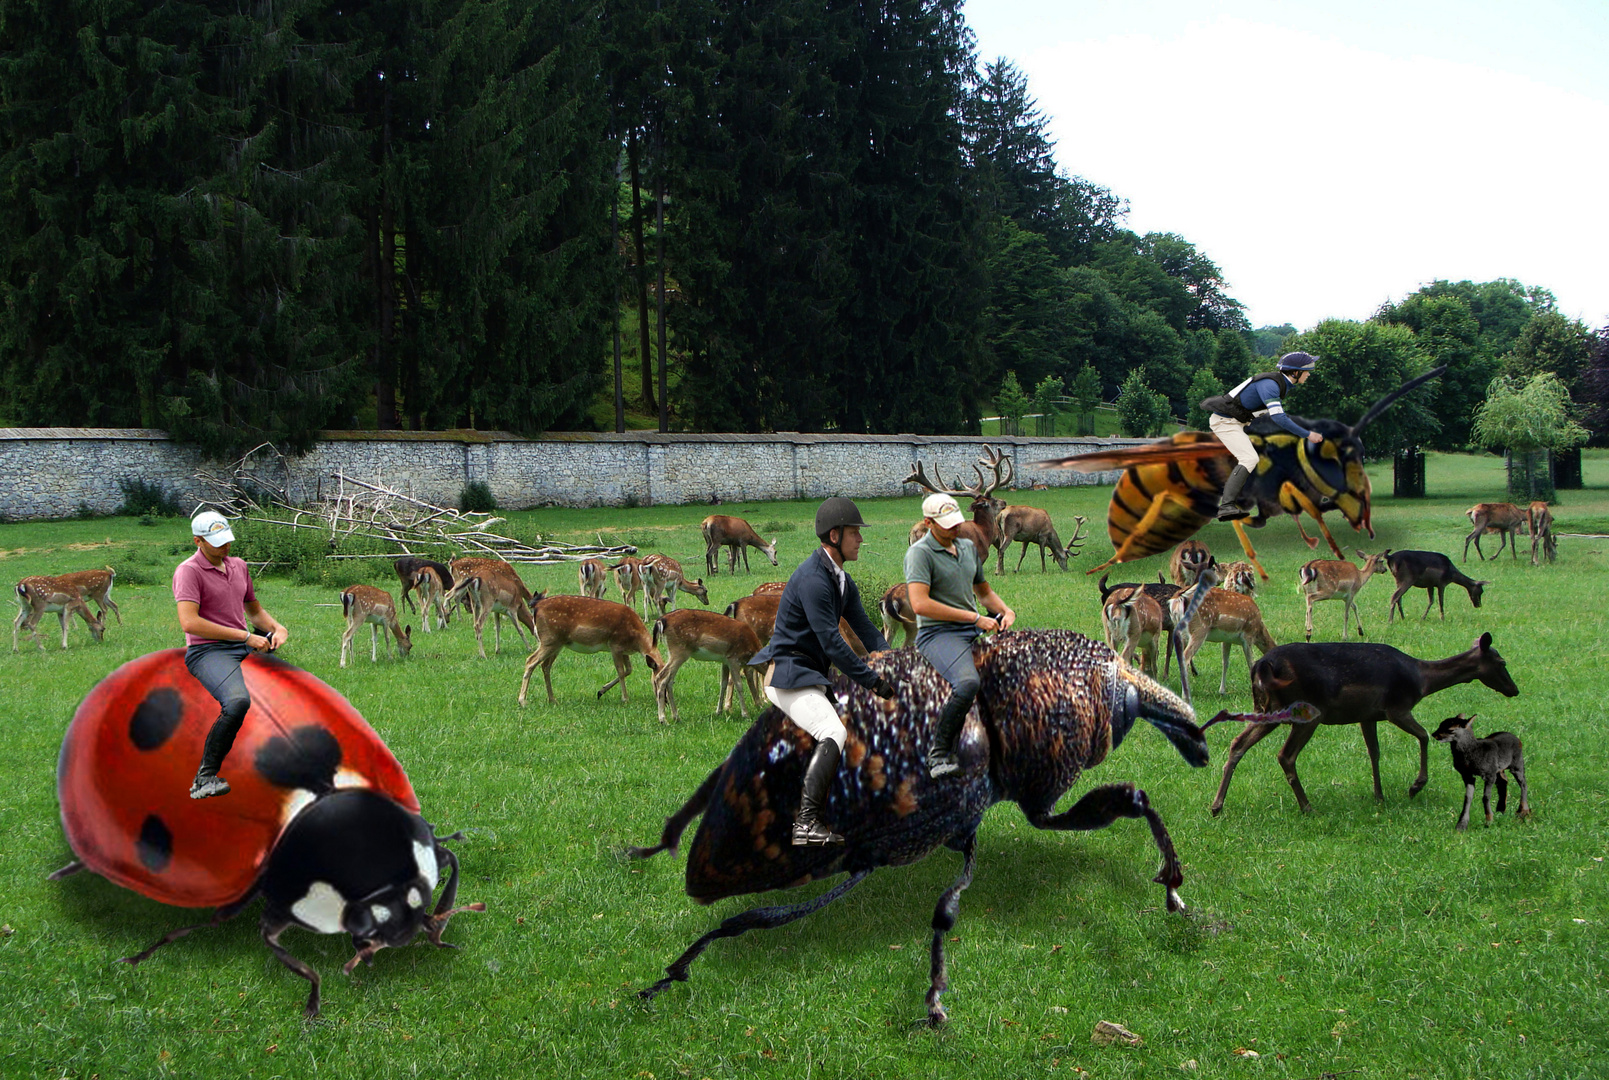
885,689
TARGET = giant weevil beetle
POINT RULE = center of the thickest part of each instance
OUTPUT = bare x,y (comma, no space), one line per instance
1052,704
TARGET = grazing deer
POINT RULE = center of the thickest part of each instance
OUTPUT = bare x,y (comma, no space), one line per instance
408,567
39,596
1541,523
770,588
1356,683
95,585
1229,617
432,592
721,530
1134,620
493,592
897,613
628,576
594,577
1186,562
1338,579
472,565
584,625
1031,525
365,604
703,635
985,507
1487,758
662,576
1431,571
1504,518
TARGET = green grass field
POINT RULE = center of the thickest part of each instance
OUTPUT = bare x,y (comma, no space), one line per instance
1364,940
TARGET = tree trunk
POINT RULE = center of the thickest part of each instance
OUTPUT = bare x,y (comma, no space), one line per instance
1408,474
644,353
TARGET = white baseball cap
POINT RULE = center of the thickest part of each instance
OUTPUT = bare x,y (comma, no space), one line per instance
942,509
212,527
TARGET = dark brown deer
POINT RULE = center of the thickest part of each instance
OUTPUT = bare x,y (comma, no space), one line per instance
985,507
1504,518
1031,525
722,530
407,568
1487,758
1356,683
1431,571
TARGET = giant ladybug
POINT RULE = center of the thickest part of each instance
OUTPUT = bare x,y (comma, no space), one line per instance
321,820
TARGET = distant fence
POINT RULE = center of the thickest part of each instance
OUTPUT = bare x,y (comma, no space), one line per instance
62,472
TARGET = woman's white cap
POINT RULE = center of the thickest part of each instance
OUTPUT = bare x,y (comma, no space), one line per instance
212,527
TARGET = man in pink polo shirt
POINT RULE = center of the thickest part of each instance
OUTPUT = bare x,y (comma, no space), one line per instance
215,596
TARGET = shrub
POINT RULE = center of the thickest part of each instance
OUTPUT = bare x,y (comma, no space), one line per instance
779,527
476,498
147,499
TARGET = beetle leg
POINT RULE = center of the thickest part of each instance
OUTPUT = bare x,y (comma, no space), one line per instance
1106,804
766,918
1245,544
272,928
944,914
223,914
67,871
677,823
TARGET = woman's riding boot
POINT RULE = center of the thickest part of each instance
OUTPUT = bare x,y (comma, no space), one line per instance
941,756
807,827
1229,507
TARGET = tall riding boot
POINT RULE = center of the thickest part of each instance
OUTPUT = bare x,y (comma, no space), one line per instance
941,756
807,827
219,740
1229,508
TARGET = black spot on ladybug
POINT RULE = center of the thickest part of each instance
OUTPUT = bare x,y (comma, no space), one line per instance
306,758
156,718
155,844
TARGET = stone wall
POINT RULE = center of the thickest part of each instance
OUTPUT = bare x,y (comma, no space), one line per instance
57,472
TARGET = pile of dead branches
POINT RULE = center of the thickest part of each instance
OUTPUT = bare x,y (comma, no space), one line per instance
257,488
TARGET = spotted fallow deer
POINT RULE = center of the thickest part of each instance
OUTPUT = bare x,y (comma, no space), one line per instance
432,596
593,574
628,576
770,588
1504,518
470,565
691,634
364,604
895,607
39,596
496,593
96,585
1230,617
1240,577
984,506
584,625
1134,621
759,611
1541,522
723,530
1031,525
662,576
1339,579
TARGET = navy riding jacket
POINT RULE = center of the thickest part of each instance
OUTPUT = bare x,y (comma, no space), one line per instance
806,642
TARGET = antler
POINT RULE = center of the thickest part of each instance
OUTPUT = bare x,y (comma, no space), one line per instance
918,476
994,459
1076,544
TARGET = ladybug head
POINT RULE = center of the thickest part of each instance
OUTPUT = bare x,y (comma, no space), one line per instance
356,862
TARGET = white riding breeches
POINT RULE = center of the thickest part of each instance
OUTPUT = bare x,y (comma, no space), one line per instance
809,707
1232,433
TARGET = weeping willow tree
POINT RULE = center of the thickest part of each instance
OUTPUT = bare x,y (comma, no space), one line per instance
1530,419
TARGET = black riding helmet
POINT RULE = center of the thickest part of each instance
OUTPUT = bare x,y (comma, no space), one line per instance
836,513
1297,361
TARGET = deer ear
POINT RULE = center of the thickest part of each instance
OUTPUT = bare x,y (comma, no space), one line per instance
1485,642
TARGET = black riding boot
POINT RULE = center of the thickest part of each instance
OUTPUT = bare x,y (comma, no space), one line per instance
941,757
1229,508
219,740
807,827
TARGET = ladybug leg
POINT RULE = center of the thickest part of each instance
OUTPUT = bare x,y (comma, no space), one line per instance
223,914
437,922
67,871
272,927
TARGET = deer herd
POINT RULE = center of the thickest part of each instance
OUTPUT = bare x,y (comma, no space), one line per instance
1199,601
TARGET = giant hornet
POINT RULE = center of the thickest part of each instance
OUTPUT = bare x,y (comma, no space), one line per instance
1171,488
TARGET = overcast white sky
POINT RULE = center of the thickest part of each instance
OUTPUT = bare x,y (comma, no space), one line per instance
1330,156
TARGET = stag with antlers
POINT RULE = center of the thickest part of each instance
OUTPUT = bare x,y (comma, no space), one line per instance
985,508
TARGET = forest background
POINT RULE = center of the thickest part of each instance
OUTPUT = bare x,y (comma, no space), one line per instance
254,222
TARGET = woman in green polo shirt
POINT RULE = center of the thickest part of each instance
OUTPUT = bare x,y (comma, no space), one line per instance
945,573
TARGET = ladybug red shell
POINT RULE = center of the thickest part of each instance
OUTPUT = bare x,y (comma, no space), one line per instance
320,819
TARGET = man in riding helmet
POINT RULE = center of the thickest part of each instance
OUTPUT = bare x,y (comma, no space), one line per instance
1260,395
805,645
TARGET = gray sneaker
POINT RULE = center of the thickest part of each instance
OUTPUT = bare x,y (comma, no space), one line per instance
206,786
